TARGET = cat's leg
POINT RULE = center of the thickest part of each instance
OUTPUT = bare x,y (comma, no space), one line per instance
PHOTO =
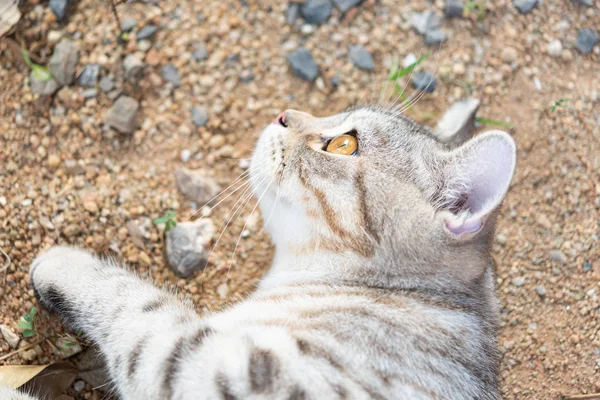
136,325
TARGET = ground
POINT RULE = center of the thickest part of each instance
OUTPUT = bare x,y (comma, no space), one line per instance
547,245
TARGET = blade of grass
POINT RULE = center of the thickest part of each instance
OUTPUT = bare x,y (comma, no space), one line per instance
394,75
492,122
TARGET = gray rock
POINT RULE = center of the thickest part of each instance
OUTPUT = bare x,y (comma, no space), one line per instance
123,114
200,116
64,62
586,40
197,185
292,13
146,32
361,58
541,291
454,8
424,81
89,75
247,75
11,338
558,256
107,84
187,246
132,64
518,281
425,21
525,6
435,36
345,5
59,8
200,53
89,93
317,12
128,24
171,75
587,266
42,86
303,65
587,3
335,81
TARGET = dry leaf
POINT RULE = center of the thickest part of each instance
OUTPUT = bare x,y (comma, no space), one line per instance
49,381
9,15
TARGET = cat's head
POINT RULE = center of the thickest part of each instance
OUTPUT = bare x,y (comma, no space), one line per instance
373,188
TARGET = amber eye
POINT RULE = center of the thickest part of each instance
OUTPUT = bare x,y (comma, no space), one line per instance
346,145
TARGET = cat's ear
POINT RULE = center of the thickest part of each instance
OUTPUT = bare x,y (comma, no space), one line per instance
476,178
458,123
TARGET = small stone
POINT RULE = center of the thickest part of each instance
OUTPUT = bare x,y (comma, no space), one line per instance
73,168
316,12
555,48
89,75
59,8
303,65
185,155
409,60
247,75
200,116
200,53
345,5
223,290
45,87
123,114
558,256
217,141
518,281
586,40
78,386
186,246
146,32
587,266
424,81
131,63
29,355
11,338
525,6
90,205
71,230
335,81
171,75
64,62
106,84
454,8
541,291
501,239
53,161
435,36
67,347
292,13
509,55
587,3
89,93
127,24
144,45
196,185
425,21
361,58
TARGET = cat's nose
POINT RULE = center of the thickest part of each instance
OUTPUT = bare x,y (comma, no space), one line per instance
281,120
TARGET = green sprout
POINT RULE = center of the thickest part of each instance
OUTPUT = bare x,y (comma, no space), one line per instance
492,122
472,5
395,74
39,71
559,103
27,324
169,220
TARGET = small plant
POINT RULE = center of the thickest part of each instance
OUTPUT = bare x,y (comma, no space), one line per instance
559,103
492,122
472,5
169,220
395,74
26,322
39,71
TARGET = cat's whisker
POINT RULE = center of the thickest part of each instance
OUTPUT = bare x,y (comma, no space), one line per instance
393,104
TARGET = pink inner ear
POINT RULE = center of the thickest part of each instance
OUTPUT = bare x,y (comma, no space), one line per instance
461,227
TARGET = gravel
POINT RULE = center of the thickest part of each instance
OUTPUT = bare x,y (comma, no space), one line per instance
554,48
200,116
187,246
146,32
345,5
316,12
541,291
106,84
292,13
59,8
428,24
303,65
200,53
424,81
11,338
89,75
361,58
525,6
558,256
170,74
586,40
123,114
64,62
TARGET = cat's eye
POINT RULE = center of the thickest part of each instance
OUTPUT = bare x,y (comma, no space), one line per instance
346,145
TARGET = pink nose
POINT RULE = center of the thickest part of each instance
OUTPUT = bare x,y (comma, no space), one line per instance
280,120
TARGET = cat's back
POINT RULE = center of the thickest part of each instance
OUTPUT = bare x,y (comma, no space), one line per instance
357,342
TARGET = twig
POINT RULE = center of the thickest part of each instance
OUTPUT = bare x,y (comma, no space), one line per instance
113,6
29,346
592,396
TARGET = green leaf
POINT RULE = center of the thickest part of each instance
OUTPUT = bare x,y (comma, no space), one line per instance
41,72
492,122
559,103
32,312
28,333
161,220
24,324
407,70
26,57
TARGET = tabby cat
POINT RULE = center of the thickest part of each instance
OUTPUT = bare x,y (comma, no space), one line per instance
381,286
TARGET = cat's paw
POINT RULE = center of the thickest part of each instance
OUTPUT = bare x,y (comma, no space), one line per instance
56,273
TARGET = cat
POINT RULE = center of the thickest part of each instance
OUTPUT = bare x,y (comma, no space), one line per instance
381,285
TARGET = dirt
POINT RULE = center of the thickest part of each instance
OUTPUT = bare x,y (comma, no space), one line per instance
547,243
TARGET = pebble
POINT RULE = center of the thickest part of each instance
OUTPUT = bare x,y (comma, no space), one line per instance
525,6
89,75
107,84
64,62
131,63
454,8
200,53
587,266
509,55
541,291
428,24
197,185
146,32
555,48
123,114
335,81
247,75
11,338
187,246
171,75
53,161
78,386
127,24
72,168
587,3
292,12
361,58
435,36
586,40
42,86
89,93
346,5
424,81
518,281
185,155
200,116
59,8
303,65
558,256
316,12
